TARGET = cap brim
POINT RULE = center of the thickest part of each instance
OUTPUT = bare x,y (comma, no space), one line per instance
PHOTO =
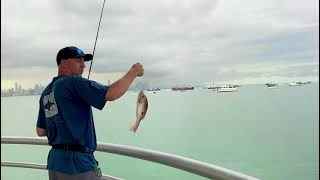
86,57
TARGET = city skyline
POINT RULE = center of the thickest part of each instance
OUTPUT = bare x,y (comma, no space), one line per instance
18,90
149,85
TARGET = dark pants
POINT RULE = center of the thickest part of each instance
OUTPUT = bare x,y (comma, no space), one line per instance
90,175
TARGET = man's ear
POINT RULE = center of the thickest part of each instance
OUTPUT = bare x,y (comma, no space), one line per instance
63,63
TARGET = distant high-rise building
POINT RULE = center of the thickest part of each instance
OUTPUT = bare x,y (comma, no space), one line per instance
16,87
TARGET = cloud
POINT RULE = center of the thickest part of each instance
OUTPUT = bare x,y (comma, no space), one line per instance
176,41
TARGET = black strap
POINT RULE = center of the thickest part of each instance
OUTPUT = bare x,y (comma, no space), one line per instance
72,147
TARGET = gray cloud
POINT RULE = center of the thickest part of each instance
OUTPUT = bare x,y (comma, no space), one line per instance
176,41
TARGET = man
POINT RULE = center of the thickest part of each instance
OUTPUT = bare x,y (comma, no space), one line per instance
65,115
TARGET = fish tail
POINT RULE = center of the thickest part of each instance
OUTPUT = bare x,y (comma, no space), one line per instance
134,126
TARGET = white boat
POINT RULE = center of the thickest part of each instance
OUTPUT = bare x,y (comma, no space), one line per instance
295,84
227,88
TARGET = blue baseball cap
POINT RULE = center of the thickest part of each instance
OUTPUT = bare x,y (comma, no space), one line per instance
72,52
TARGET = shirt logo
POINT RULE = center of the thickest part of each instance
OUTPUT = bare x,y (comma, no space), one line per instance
50,105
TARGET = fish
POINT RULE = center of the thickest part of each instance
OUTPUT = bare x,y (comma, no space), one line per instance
141,111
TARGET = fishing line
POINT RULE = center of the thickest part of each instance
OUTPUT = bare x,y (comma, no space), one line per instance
95,43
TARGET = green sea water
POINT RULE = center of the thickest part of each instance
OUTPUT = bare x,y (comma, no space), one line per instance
270,134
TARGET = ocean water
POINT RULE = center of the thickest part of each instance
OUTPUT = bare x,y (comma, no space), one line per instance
270,134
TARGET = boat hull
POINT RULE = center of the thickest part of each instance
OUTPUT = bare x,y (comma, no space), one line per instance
227,89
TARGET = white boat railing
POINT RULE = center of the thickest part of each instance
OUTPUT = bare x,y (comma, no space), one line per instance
190,165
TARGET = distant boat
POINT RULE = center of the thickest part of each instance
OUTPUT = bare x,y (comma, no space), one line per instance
212,87
182,88
272,85
156,89
295,84
227,88
308,82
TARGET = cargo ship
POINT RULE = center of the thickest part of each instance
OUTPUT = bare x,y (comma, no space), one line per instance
182,88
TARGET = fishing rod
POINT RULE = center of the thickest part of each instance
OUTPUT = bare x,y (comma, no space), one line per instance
95,43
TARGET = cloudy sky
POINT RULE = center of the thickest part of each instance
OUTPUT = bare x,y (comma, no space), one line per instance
178,42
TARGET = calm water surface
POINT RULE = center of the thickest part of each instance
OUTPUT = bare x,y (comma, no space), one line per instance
271,134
